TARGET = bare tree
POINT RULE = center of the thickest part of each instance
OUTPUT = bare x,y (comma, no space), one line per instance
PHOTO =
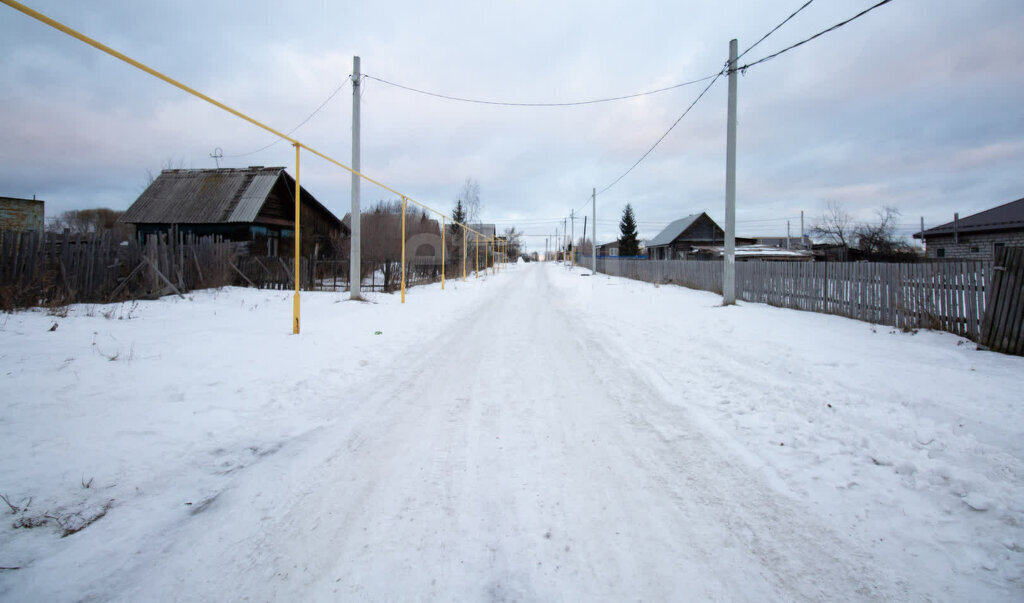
879,241
513,241
381,240
835,225
166,164
469,194
91,221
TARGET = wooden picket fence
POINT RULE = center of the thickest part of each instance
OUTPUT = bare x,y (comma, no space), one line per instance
948,296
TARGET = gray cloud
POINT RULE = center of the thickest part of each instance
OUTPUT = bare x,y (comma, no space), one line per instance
916,105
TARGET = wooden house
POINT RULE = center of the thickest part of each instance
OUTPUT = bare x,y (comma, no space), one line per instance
682,238
254,204
608,250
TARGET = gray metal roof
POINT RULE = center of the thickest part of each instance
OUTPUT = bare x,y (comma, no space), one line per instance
1007,216
672,231
205,196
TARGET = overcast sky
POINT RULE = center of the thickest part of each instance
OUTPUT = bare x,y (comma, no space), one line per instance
918,105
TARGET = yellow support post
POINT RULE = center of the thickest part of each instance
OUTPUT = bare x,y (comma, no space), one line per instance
298,241
442,253
477,254
403,249
463,253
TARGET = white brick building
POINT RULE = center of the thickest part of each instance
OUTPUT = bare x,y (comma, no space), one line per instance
976,237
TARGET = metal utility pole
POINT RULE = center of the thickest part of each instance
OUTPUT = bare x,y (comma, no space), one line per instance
729,276
355,278
593,209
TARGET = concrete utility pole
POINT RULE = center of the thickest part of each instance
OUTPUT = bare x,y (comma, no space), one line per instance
572,236
355,277
803,242
729,276
787,234
565,235
584,244
593,210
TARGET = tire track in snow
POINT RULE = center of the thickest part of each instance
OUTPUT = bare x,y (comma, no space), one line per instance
486,468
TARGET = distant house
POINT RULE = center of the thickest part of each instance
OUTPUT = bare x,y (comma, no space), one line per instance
978,236
610,249
254,204
426,248
681,238
487,232
22,215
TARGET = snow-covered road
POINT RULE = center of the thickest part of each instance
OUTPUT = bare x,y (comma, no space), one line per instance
542,446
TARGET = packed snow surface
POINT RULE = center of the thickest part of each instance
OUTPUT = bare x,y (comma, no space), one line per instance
530,435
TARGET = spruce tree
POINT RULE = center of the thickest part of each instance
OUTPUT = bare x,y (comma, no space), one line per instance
629,245
459,218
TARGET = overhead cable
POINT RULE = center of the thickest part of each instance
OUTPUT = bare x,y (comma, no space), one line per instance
514,104
672,127
817,35
774,29
302,123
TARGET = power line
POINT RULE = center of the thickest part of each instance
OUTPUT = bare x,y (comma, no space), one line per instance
302,123
514,104
723,71
817,35
672,127
774,29
715,77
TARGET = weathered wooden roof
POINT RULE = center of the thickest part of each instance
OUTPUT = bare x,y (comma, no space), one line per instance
209,196
1009,216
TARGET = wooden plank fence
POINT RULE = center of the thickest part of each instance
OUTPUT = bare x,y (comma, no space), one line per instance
948,296
1003,326
59,269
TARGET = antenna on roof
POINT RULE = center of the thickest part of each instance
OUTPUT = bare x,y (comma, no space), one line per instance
217,154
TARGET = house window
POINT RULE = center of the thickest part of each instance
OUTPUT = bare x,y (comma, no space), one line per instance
940,252
995,249
975,249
